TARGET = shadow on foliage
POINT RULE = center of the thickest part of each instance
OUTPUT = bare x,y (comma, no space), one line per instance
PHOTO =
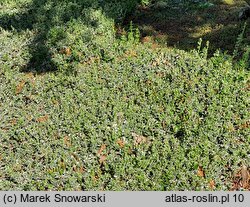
173,25
41,57
181,27
43,15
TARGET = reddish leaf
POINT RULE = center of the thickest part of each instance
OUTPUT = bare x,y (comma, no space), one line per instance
200,172
146,39
78,169
66,51
20,86
245,177
211,184
246,125
42,118
121,143
102,159
103,147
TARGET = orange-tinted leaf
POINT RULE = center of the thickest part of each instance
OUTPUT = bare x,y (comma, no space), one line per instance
237,181
130,53
245,177
78,169
200,172
121,143
103,147
67,141
102,159
20,86
81,169
66,51
246,125
211,184
95,178
146,39
42,118
13,122
154,46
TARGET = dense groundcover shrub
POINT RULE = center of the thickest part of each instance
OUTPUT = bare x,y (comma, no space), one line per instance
145,121
66,31
125,117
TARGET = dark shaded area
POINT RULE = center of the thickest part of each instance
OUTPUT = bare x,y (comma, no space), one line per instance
41,57
42,15
174,26
245,13
182,27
